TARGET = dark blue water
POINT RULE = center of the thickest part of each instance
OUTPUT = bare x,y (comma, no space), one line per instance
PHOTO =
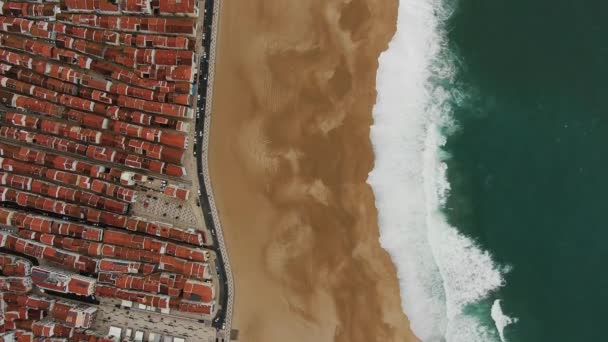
529,166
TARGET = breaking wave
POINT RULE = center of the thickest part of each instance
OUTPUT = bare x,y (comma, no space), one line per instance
501,320
441,272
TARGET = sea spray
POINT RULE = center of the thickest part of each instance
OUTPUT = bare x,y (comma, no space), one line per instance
440,270
501,319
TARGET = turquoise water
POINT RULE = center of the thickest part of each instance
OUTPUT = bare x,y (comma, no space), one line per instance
529,165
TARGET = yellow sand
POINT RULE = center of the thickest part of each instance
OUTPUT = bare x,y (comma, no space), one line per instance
290,154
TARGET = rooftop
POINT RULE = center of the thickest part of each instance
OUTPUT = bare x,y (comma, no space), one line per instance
96,120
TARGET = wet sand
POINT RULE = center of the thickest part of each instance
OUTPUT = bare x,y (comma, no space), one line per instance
290,154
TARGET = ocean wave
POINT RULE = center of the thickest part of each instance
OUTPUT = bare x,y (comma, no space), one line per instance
441,271
501,319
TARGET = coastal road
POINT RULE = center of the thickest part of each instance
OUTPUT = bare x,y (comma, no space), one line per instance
223,319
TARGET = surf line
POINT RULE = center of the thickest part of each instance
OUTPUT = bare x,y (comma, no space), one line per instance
441,271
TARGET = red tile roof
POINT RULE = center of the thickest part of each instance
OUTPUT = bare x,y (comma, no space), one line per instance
137,283
21,120
179,193
29,301
74,315
59,192
28,89
114,89
152,41
148,299
198,291
89,6
41,158
48,225
125,266
87,119
64,282
148,149
51,254
177,7
15,284
28,27
88,336
173,139
51,329
21,9
167,109
176,73
136,7
47,50
195,307
13,266
24,102
15,312
119,221
99,153
100,36
134,241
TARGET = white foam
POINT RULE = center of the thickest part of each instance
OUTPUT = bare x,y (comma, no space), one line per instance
440,270
500,319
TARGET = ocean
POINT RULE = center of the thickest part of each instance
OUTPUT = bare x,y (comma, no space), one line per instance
490,175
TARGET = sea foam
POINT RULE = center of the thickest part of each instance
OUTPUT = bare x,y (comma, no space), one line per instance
440,270
501,319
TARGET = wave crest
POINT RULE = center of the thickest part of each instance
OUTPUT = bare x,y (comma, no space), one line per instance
440,270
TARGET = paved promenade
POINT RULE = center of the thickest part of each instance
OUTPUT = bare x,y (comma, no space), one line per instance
207,71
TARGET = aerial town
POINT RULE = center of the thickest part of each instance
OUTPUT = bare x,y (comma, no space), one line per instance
106,226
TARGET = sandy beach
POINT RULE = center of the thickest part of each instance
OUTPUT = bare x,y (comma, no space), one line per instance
290,154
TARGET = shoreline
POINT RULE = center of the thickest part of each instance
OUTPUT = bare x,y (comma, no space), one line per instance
444,271
289,163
